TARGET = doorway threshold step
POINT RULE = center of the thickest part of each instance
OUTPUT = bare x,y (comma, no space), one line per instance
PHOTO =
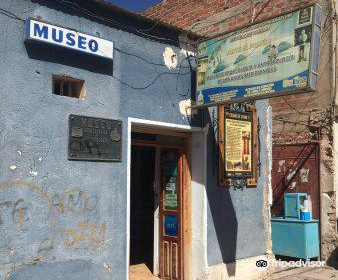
141,272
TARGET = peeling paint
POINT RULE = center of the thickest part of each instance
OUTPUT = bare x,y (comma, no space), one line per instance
184,108
290,175
170,58
187,53
33,173
107,266
281,164
304,175
13,167
293,185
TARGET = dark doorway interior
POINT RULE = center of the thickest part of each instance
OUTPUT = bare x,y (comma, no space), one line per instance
142,205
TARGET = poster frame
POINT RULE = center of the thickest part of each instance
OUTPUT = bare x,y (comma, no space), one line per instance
251,181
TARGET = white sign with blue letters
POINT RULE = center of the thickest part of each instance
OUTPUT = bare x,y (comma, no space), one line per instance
68,38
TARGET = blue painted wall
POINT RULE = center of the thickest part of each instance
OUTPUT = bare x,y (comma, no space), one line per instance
67,218
236,222
71,214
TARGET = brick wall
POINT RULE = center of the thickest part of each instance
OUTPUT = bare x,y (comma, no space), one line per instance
232,13
183,13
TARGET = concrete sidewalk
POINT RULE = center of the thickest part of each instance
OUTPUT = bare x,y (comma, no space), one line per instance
306,273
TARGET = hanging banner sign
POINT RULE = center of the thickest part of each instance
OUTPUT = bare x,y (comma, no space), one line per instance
238,141
67,38
272,58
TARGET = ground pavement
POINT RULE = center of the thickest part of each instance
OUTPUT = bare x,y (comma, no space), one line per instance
306,273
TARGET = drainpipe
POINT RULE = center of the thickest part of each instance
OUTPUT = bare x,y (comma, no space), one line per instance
335,62
335,51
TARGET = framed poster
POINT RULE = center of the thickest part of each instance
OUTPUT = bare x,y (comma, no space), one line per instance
238,145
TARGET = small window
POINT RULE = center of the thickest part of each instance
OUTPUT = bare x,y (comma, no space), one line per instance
67,86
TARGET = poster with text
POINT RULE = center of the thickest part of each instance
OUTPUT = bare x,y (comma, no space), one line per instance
238,148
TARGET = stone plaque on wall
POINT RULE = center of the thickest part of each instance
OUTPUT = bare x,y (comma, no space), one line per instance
94,139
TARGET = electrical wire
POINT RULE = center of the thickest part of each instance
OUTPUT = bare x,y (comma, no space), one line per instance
179,72
164,87
213,23
151,83
143,59
78,8
261,10
10,15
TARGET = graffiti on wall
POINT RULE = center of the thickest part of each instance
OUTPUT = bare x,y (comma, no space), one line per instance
86,235
32,222
24,224
76,201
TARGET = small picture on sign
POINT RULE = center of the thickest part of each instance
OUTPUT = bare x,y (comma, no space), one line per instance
273,53
202,48
77,132
203,65
303,35
201,79
305,15
115,136
303,40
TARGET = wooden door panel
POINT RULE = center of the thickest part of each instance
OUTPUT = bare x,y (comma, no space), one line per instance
174,258
166,258
170,214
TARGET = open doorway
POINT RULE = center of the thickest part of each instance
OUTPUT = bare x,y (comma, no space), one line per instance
157,179
142,206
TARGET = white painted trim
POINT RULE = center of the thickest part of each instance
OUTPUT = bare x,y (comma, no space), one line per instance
148,123
165,125
205,204
157,193
199,204
128,199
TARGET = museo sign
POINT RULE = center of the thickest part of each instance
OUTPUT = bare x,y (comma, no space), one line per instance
67,38
271,58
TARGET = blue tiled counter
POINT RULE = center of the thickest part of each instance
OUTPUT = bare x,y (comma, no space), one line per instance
295,238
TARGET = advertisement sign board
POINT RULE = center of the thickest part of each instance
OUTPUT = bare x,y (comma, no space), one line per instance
271,58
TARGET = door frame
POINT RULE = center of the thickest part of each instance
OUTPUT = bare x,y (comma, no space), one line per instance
162,128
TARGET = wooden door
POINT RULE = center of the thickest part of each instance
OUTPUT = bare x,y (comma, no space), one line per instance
170,214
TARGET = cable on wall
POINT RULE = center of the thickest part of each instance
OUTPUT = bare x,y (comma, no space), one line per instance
78,8
10,15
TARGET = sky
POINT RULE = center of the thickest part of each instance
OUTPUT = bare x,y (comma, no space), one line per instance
134,5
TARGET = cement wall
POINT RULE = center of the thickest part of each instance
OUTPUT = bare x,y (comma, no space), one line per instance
60,217
237,220
69,218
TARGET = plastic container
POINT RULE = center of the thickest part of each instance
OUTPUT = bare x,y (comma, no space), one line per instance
305,216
